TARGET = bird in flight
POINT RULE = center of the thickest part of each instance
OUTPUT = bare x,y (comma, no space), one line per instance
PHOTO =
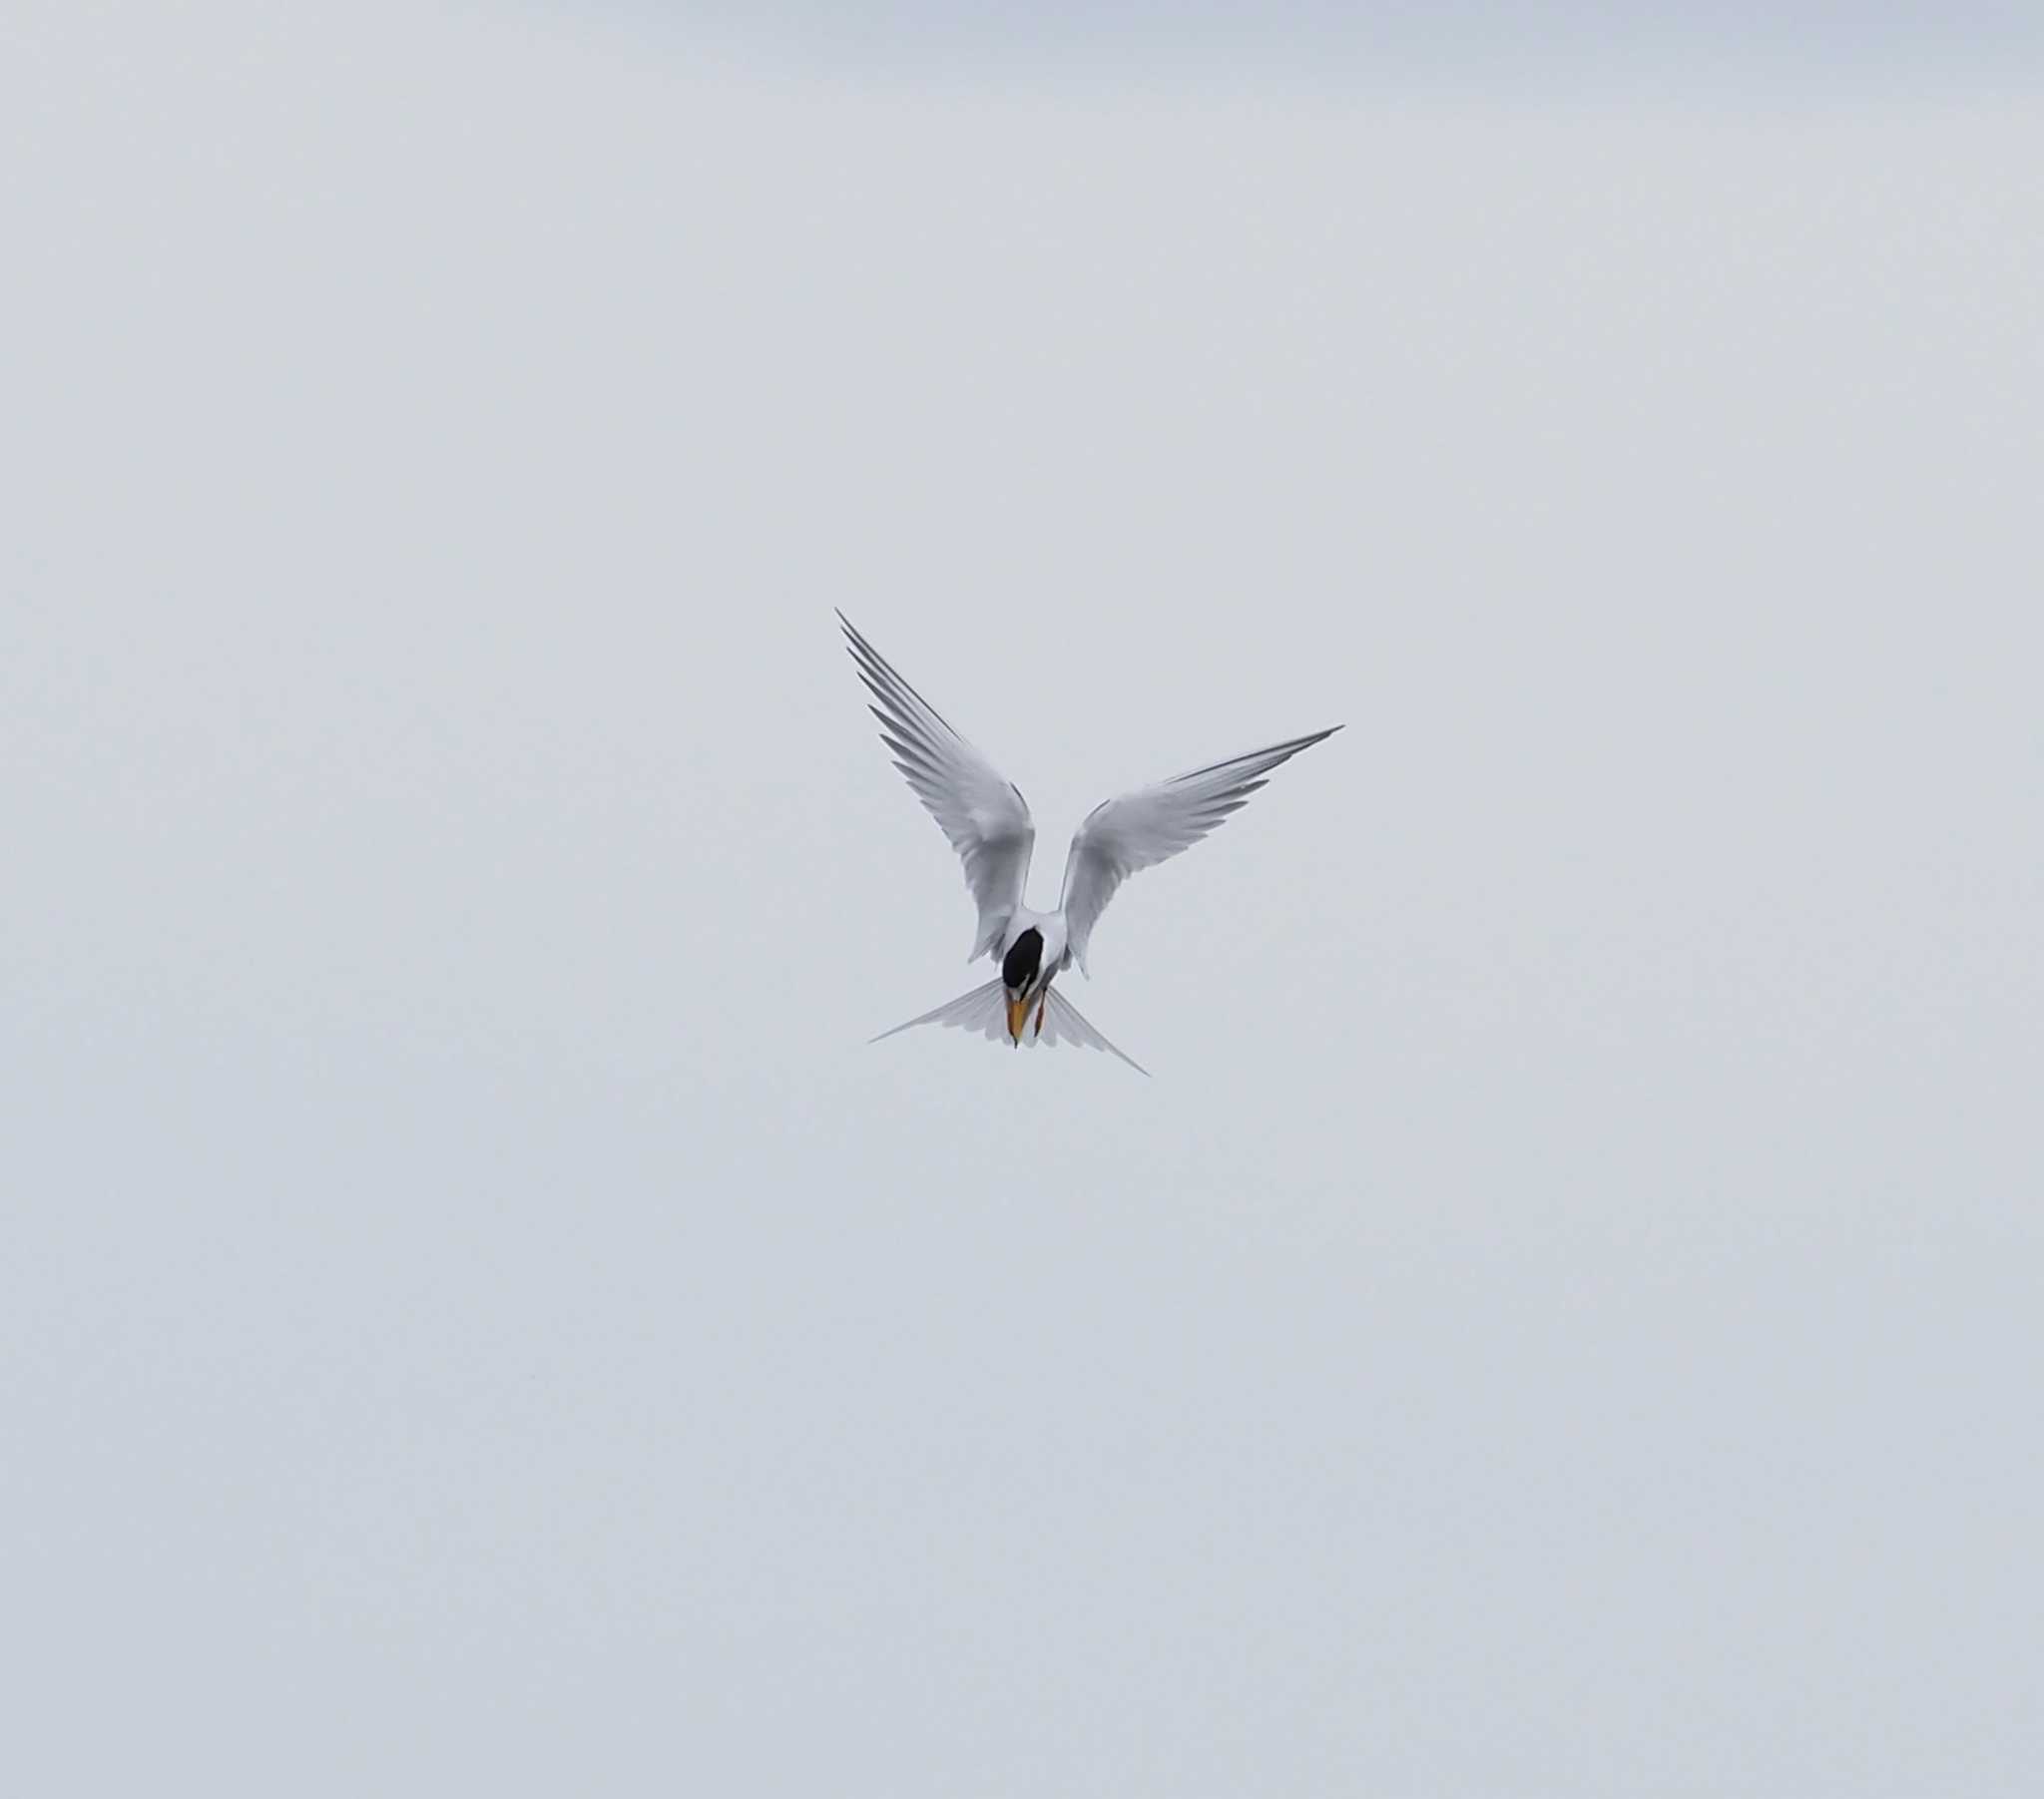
987,820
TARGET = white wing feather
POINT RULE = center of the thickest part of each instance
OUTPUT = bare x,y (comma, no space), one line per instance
983,813
1142,828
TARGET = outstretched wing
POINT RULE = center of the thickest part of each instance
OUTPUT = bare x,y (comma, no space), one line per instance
1142,828
983,814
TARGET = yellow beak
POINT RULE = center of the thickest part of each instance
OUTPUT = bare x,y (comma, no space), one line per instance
1018,1011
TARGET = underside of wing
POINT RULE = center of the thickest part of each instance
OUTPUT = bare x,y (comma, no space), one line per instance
983,814
1142,828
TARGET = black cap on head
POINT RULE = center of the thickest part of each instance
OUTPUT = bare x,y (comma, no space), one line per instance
1024,958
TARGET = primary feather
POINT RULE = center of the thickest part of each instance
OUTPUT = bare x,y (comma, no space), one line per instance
982,812
1140,829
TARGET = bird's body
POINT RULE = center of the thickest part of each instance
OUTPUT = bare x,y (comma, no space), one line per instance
988,823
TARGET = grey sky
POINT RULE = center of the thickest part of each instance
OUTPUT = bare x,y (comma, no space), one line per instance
1806,44
1564,1319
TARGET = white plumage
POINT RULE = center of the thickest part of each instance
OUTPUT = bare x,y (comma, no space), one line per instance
987,821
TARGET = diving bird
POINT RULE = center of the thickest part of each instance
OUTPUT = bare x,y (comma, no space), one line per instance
987,820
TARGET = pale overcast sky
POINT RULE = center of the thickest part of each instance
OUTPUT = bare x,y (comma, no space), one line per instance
476,1316
1790,45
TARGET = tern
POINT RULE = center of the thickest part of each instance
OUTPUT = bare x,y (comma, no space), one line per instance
988,823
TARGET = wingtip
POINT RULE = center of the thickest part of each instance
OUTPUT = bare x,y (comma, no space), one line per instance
1310,739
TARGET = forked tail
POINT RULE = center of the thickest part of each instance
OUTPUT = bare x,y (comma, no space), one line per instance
984,1012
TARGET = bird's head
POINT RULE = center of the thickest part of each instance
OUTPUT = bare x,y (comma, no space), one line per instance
1021,976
